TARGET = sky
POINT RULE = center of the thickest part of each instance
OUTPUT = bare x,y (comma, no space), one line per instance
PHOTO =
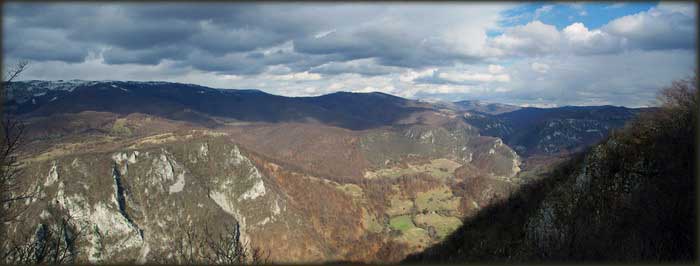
528,54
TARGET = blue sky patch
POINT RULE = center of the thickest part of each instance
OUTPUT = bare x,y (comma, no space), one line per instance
593,15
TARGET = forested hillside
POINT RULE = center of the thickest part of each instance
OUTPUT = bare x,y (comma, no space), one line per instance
630,198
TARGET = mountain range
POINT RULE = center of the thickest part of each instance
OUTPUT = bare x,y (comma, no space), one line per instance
345,176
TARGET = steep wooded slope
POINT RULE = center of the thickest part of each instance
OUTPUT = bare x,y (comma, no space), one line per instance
631,198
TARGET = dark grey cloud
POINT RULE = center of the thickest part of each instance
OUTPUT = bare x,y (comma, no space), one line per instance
42,44
118,55
130,34
229,64
390,44
203,35
150,33
435,78
365,67
142,33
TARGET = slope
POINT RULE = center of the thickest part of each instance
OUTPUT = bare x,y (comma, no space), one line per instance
195,103
552,130
629,199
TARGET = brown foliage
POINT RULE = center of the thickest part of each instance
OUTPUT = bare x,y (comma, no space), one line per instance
211,247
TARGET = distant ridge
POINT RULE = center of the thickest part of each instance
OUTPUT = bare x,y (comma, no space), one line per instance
343,109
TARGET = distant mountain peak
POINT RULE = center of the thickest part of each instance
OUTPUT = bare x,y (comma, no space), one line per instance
484,107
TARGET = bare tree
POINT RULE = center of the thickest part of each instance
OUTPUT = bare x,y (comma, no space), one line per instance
14,72
210,246
10,139
53,242
680,94
213,247
185,248
227,248
11,188
10,75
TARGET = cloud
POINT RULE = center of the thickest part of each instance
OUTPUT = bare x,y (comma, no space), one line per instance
298,76
687,9
195,34
542,10
539,67
116,55
534,38
615,5
580,9
581,40
465,75
663,27
473,77
323,34
495,69
455,36
367,67
43,44
437,51
630,79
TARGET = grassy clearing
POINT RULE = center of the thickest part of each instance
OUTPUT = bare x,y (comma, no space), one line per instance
370,223
393,172
440,168
120,127
410,234
158,139
398,206
444,225
353,190
437,199
401,223
63,149
415,237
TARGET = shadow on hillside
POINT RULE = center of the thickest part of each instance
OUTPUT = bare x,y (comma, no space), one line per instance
499,224
630,198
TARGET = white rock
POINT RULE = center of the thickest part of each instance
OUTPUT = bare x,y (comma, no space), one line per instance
276,208
179,184
204,150
256,191
117,226
225,203
53,175
44,214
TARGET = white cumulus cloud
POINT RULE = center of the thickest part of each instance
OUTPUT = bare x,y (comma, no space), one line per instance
533,38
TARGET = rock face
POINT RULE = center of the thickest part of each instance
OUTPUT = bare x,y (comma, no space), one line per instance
132,200
136,200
